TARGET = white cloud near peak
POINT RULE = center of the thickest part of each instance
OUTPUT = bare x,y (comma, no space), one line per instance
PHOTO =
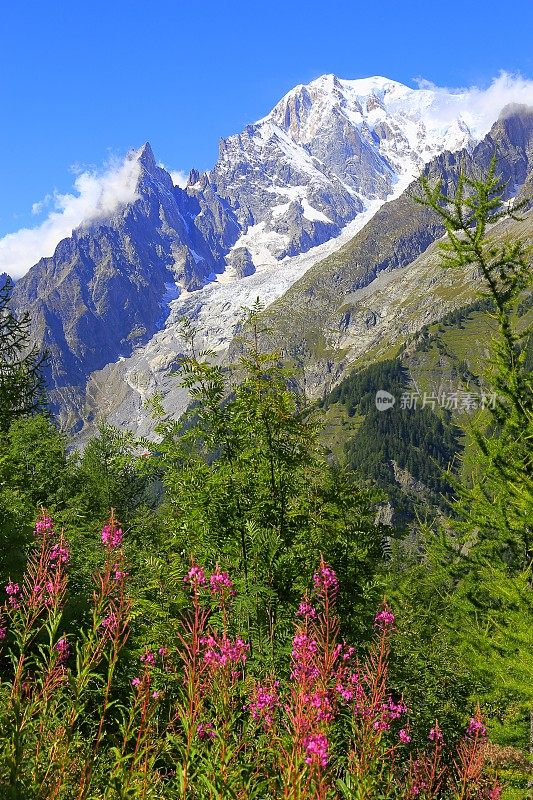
179,178
98,194
478,107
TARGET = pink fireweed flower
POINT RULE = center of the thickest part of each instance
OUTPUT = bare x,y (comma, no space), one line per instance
112,536
304,649
435,735
110,624
348,653
265,700
195,577
205,731
316,749
346,693
220,582
495,793
54,588
306,610
404,736
136,682
119,575
63,648
12,591
325,580
393,710
155,695
44,525
418,787
320,702
59,555
148,658
476,729
384,618
163,651
223,652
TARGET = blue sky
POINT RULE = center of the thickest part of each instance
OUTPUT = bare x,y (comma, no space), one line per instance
81,81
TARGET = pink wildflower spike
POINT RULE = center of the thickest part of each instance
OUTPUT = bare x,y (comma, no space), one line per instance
320,702
223,652
476,729
59,554
265,700
394,710
163,651
435,735
148,658
306,610
44,525
110,624
205,731
112,536
12,591
404,736
304,649
325,580
195,577
63,648
384,619
316,749
155,695
220,582
136,682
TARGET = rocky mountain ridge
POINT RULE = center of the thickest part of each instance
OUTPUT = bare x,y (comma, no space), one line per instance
285,193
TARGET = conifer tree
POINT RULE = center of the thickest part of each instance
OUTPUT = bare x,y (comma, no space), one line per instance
21,380
488,557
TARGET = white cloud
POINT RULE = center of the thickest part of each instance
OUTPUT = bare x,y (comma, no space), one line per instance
39,207
478,107
179,178
98,194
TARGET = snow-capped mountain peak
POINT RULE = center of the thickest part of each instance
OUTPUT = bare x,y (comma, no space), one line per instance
326,151
427,121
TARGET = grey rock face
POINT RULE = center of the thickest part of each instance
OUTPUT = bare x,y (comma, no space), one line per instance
240,259
106,288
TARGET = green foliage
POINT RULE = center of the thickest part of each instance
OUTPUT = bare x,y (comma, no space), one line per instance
417,440
34,472
21,381
247,485
486,554
111,474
